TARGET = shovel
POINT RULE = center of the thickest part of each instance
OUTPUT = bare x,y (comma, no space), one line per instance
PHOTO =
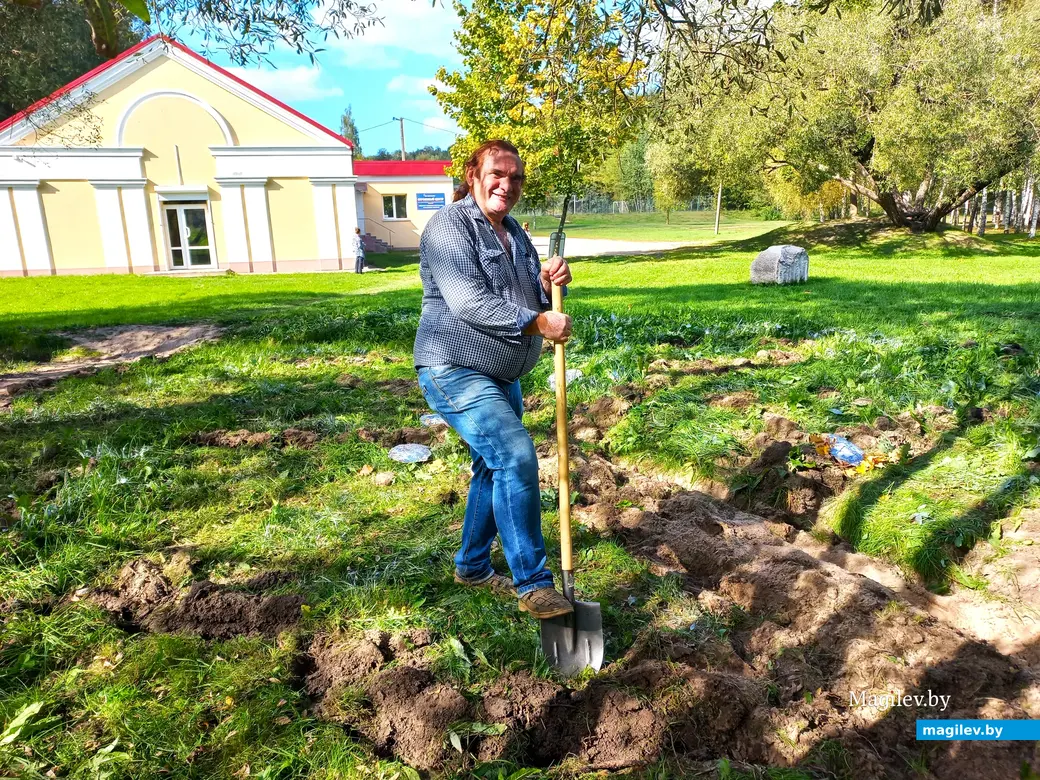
570,642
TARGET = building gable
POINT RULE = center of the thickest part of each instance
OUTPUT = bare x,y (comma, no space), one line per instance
94,110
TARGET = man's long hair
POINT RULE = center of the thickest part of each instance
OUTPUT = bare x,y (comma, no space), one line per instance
475,162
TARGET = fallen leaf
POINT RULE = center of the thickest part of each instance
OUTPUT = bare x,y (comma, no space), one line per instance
366,470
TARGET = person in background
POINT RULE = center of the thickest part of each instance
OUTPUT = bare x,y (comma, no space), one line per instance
485,310
359,252
527,228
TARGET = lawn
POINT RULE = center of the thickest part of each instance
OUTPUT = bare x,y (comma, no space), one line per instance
691,226
113,468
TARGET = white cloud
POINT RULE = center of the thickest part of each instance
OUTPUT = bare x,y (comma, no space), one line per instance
289,84
409,27
442,123
412,85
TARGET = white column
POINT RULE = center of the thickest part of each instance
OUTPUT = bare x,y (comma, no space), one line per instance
138,227
329,248
359,197
346,216
258,221
234,224
29,213
10,253
110,220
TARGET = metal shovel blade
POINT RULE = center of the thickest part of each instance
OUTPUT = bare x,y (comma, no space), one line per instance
575,641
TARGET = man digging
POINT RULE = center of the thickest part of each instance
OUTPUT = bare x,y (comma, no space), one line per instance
485,311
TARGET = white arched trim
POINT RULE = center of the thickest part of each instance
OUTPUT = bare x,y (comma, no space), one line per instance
225,128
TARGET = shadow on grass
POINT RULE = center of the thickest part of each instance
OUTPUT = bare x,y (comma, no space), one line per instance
867,236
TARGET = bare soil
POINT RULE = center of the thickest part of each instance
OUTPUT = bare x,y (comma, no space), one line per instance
142,598
106,347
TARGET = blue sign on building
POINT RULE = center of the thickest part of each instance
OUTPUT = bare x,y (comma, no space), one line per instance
430,201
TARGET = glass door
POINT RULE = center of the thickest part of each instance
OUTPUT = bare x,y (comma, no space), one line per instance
187,226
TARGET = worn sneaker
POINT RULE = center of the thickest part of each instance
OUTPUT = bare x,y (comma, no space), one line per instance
498,584
545,603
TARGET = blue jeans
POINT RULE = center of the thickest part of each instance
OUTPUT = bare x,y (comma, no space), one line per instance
503,495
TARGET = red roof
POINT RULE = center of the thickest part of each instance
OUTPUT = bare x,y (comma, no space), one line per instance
401,167
180,47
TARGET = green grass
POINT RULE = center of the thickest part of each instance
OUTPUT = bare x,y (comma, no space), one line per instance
691,226
888,314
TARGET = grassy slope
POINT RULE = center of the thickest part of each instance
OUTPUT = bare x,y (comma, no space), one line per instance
888,313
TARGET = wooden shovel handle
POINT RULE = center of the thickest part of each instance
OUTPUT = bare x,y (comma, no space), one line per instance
562,449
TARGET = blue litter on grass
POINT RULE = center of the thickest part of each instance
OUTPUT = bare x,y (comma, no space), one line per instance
410,453
843,450
836,411
432,420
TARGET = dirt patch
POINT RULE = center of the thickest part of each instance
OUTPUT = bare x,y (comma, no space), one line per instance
290,437
404,710
233,439
139,589
817,634
142,598
741,400
412,715
294,437
397,386
107,347
217,612
408,435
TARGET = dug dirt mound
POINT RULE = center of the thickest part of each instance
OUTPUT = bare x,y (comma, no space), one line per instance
216,612
142,598
823,638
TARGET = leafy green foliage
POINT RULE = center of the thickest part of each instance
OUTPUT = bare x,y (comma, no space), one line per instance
547,76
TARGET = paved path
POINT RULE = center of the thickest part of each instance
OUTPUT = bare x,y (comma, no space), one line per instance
599,247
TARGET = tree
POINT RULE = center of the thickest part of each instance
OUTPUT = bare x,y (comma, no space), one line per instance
28,41
549,76
425,153
675,179
348,129
246,30
918,119
624,174
715,145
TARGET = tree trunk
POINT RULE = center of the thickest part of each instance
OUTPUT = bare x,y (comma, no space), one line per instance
972,213
998,211
1026,211
668,216
718,207
1034,211
563,216
983,208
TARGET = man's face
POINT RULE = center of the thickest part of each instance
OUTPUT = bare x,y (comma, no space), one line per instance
496,188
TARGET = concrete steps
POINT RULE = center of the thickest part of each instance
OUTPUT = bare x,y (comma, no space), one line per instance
376,246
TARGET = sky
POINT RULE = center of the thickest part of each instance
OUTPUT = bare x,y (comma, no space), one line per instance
381,74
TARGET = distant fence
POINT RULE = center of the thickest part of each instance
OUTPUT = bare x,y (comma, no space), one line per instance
596,204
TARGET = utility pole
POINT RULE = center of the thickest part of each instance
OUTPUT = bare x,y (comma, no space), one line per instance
401,120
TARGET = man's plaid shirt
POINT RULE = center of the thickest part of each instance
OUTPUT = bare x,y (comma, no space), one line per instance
476,301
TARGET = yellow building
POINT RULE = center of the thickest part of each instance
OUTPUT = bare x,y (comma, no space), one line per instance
160,161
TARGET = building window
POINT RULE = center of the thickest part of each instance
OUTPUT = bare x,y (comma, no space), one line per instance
395,206
188,230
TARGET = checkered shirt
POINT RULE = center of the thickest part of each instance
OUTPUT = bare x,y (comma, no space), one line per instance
476,301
